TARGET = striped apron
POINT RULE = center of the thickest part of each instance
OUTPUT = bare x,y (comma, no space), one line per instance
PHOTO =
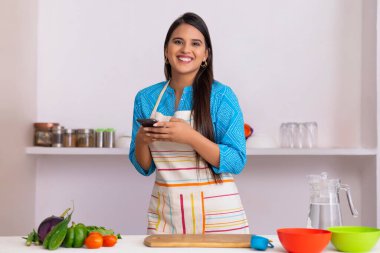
185,199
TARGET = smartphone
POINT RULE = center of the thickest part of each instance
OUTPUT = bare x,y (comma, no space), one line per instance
147,122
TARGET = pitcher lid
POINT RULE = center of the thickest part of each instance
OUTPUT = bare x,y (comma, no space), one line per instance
323,180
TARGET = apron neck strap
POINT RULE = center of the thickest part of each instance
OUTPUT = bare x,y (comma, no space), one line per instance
159,99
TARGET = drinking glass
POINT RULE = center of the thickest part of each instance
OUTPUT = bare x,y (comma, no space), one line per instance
310,138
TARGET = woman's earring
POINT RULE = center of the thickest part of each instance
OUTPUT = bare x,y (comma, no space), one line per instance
204,64
166,60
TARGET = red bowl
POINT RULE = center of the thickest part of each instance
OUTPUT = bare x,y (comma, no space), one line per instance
304,240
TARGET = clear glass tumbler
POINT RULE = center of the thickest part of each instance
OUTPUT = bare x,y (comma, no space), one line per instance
284,135
310,139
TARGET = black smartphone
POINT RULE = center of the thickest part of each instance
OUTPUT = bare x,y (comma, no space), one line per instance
147,122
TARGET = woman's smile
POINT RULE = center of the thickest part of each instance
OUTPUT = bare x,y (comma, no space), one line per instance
184,58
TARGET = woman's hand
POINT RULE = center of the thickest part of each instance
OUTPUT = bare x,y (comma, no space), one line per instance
180,131
176,130
143,155
142,137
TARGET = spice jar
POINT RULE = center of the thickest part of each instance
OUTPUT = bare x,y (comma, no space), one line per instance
69,138
99,137
85,138
57,140
109,138
42,134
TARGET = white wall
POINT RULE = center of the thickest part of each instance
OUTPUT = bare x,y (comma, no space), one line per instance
18,36
368,93
368,100
286,60
303,57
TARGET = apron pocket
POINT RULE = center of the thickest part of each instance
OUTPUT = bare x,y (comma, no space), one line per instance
224,213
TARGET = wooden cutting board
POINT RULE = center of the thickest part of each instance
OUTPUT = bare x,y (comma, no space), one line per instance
200,241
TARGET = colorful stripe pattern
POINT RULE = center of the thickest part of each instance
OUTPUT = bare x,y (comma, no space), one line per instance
185,198
197,213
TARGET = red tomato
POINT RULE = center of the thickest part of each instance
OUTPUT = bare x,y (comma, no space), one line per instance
94,241
109,240
95,233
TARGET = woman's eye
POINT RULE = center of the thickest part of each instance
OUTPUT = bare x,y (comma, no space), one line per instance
196,44
177,42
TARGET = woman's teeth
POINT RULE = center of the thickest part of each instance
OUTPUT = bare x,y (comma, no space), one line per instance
185,59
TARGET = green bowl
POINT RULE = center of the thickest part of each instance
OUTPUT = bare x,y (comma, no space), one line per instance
354,238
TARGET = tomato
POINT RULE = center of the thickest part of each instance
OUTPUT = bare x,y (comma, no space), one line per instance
95,233
109,240
94,241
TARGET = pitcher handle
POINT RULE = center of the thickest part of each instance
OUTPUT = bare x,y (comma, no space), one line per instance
346,187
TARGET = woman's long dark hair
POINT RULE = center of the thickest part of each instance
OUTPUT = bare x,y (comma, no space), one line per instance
201,85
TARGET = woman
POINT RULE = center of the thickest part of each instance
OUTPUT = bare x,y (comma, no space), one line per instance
197,143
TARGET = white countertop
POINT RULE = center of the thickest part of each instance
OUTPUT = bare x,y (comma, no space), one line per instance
134,244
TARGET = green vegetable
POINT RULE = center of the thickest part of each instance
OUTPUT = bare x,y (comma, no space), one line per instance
69,238
29,239
32,238
36,239
101,230
80,235
76,234
57,235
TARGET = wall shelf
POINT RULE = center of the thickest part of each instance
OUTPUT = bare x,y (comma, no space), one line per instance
76,151
250,151
314,151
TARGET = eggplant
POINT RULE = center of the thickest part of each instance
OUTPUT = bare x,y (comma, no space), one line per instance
48,223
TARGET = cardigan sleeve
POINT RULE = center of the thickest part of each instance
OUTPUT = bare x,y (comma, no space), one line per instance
137,113
229,133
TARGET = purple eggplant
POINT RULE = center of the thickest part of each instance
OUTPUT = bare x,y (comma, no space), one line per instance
48,223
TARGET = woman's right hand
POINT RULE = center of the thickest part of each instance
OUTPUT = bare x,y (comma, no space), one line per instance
143,155
142,137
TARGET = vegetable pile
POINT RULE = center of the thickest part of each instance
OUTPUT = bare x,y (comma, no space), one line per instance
54,232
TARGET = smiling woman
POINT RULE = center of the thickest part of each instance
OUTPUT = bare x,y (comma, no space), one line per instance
197,143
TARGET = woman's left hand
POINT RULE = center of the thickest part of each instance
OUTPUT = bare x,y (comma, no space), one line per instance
175,130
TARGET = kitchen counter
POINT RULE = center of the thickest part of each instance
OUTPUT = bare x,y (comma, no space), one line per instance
134,243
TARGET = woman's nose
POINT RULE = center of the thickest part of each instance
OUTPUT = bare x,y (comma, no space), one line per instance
186,48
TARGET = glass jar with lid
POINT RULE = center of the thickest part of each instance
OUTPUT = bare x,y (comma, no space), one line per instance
99,136
43,135
57,139
85,138
109,138
69,138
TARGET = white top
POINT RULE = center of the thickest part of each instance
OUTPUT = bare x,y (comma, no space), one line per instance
134,243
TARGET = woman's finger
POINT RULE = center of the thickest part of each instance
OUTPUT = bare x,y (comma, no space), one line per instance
162,124
158,136
159,130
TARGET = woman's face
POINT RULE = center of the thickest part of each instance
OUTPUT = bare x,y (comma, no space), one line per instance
186,50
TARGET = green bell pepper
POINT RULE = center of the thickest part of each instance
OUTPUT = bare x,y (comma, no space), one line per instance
76,234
